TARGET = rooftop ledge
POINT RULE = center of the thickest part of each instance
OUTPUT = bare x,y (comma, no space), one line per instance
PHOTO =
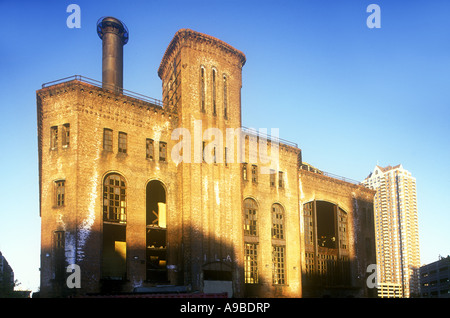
99,84
117,90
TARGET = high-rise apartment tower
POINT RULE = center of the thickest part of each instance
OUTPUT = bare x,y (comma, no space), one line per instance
396,230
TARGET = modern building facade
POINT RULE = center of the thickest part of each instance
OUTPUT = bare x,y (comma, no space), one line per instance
396,230
435,279
141,193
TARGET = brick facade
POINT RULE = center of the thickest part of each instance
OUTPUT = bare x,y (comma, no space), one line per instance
204,243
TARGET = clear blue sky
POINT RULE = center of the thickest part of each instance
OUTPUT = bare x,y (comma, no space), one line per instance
349,96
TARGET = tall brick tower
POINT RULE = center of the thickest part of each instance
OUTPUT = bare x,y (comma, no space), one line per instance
202,79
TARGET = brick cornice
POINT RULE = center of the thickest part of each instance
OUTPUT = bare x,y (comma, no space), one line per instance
183,36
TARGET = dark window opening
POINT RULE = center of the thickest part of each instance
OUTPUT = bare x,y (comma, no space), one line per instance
59,255
156,241
216,275
326,231
114,253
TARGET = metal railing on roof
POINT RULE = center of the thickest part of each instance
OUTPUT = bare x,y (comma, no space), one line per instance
253,131
154,101
99,84
331,175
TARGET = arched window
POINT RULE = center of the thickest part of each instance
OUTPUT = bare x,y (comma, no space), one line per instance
277,222
225,96
202,87
250,217
214,72
114,198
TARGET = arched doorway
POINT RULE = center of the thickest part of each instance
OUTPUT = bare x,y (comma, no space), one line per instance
156,227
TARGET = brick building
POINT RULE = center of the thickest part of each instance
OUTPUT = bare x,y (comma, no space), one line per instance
142,193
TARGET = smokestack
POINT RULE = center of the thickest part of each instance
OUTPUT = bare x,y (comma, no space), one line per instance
114,35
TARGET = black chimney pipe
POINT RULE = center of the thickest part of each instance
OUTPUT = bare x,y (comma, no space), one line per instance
114,35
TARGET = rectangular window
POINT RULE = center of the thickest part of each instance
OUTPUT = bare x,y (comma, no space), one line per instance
107,139
60,190
254,173
244,171
277,224
272,177
65,135
250,222
149,149
280,179
251,263
278,265
122,142
162,151
59,240
54,137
